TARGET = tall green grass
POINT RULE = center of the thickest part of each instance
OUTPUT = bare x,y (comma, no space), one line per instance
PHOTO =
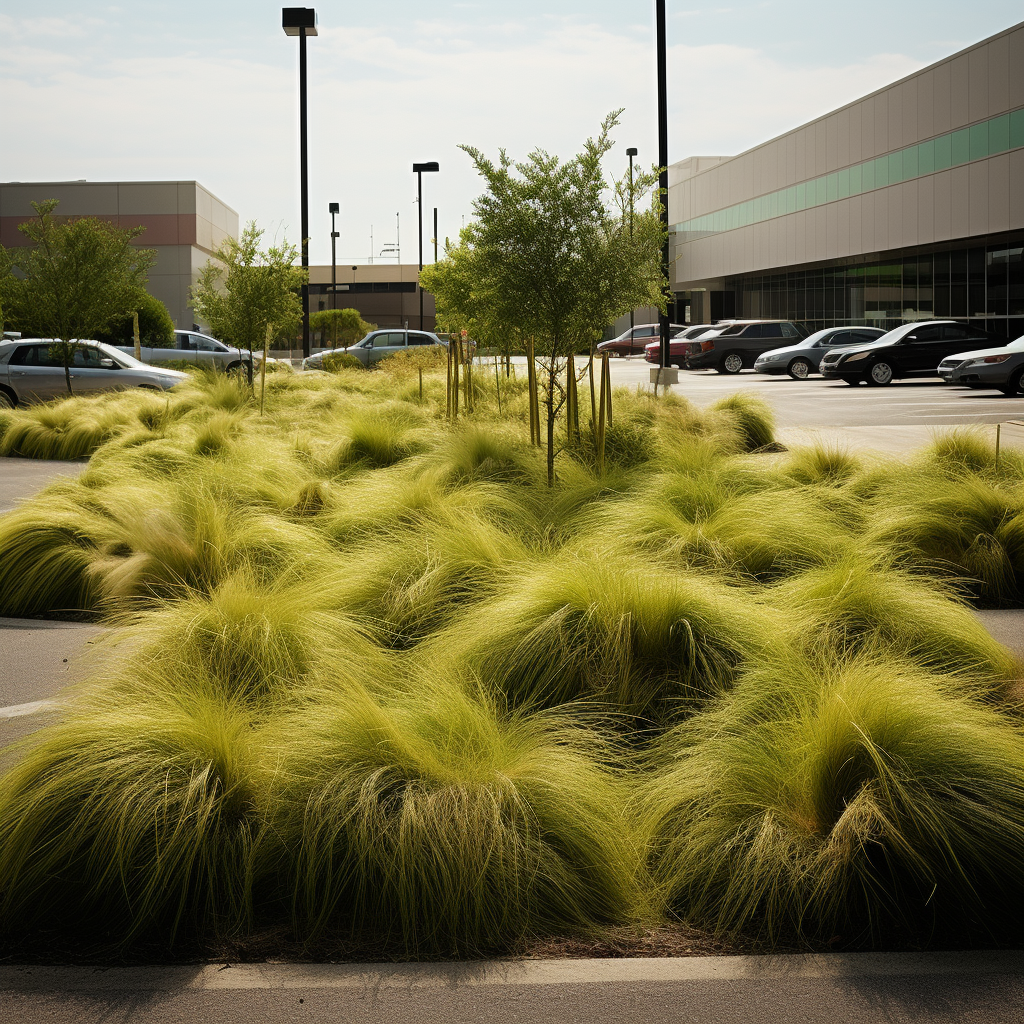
443,828
859,802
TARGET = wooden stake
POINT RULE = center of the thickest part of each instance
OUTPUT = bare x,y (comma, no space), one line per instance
263,365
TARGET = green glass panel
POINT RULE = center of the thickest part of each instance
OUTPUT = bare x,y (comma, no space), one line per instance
791,199
868,170
961,146
773,208
844,183
856,180
979,140
943,152
819,191
910,163
832,187
999,134
1017,128
926,157
801,196
895,167
881,171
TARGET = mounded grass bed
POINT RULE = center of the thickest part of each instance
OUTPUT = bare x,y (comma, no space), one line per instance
375,690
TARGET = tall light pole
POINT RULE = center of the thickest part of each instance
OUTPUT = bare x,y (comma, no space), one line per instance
663,319
334,209
631,152
435,234
301,22
418,170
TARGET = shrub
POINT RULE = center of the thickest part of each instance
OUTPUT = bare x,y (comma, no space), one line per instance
156,328
856,802
445,829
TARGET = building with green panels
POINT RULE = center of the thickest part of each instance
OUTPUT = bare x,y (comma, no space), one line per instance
907,204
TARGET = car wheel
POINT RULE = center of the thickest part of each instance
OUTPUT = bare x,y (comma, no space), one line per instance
879,374
1011,387
6,402
799,369
732,362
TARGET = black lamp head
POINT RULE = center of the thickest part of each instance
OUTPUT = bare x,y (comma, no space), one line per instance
430,166
294,19
631,151
334,208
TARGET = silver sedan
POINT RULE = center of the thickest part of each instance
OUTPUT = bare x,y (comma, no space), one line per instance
996,369
30,371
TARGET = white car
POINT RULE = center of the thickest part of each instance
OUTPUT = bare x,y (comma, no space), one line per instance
996,369
31,372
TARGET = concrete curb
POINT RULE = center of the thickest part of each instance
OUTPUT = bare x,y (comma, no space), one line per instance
515,973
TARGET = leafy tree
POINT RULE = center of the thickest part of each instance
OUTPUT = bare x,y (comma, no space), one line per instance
550,256
78,276
243,289
156,328
339,327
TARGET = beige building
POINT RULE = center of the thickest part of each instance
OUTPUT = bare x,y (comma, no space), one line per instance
906,204
184,223
384,293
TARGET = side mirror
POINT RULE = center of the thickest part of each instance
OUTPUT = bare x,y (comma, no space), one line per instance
108,364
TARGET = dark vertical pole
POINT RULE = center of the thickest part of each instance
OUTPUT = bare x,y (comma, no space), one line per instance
419,210
304,186
631,239
663,319
435,234
334,265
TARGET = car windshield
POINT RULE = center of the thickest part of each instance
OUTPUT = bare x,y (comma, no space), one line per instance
1017,345
121,359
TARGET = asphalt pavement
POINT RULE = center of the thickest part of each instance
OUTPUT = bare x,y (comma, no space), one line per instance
21,478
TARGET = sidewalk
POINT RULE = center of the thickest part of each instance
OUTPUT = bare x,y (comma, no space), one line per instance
858,988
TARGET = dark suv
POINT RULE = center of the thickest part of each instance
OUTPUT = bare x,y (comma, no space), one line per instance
738,343
913,350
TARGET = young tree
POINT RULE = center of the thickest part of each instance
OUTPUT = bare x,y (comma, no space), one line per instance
339,327
551,260
243,289
79,275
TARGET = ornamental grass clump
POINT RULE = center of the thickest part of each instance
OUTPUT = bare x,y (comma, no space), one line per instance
133,818
856,605
437,826
858,803
618,633
751,417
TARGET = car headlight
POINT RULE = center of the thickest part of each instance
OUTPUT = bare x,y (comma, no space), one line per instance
856,357
987,359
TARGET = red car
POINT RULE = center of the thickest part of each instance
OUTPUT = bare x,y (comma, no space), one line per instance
633,341
678,345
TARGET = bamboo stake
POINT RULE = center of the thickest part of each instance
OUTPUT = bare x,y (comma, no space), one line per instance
135,332
497,384
421,384
448,383
572,401
531,375
606,375
456,359
600,416
593,396
263,365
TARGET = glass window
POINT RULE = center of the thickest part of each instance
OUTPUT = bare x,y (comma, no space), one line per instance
204,344
844,183
185,341
86,357
881,171
1017,128
943,152
831,187
868,172
895,171
856,182
771,331
926,157
420,339
979,140
789,331
839,338
961,146
999,134
819,191
924,334
910,163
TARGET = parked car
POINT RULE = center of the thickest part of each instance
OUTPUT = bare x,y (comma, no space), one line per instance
911,350
635,340
30,372
201,349
679,345
1000,368
740,342
377,345
802,359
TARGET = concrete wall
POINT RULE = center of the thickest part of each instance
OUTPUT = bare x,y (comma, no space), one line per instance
985,196
184,223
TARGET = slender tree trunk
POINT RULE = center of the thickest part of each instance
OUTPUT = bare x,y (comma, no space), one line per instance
67,377
551,418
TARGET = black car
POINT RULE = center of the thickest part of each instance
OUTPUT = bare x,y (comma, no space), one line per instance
739,342
913,350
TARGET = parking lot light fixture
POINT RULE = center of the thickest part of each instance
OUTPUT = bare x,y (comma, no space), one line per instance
418,170
301,22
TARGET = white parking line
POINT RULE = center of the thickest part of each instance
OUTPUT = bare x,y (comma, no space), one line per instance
18,710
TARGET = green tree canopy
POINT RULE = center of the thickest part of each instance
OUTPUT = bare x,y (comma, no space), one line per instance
156,328
551,256
339,327
78,276
244,288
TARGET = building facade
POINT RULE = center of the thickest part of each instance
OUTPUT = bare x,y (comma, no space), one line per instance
385,294
907,204
184,223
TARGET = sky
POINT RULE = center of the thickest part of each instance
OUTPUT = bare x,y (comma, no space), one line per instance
157,90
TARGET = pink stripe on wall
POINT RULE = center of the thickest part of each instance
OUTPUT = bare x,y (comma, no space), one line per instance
161,228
